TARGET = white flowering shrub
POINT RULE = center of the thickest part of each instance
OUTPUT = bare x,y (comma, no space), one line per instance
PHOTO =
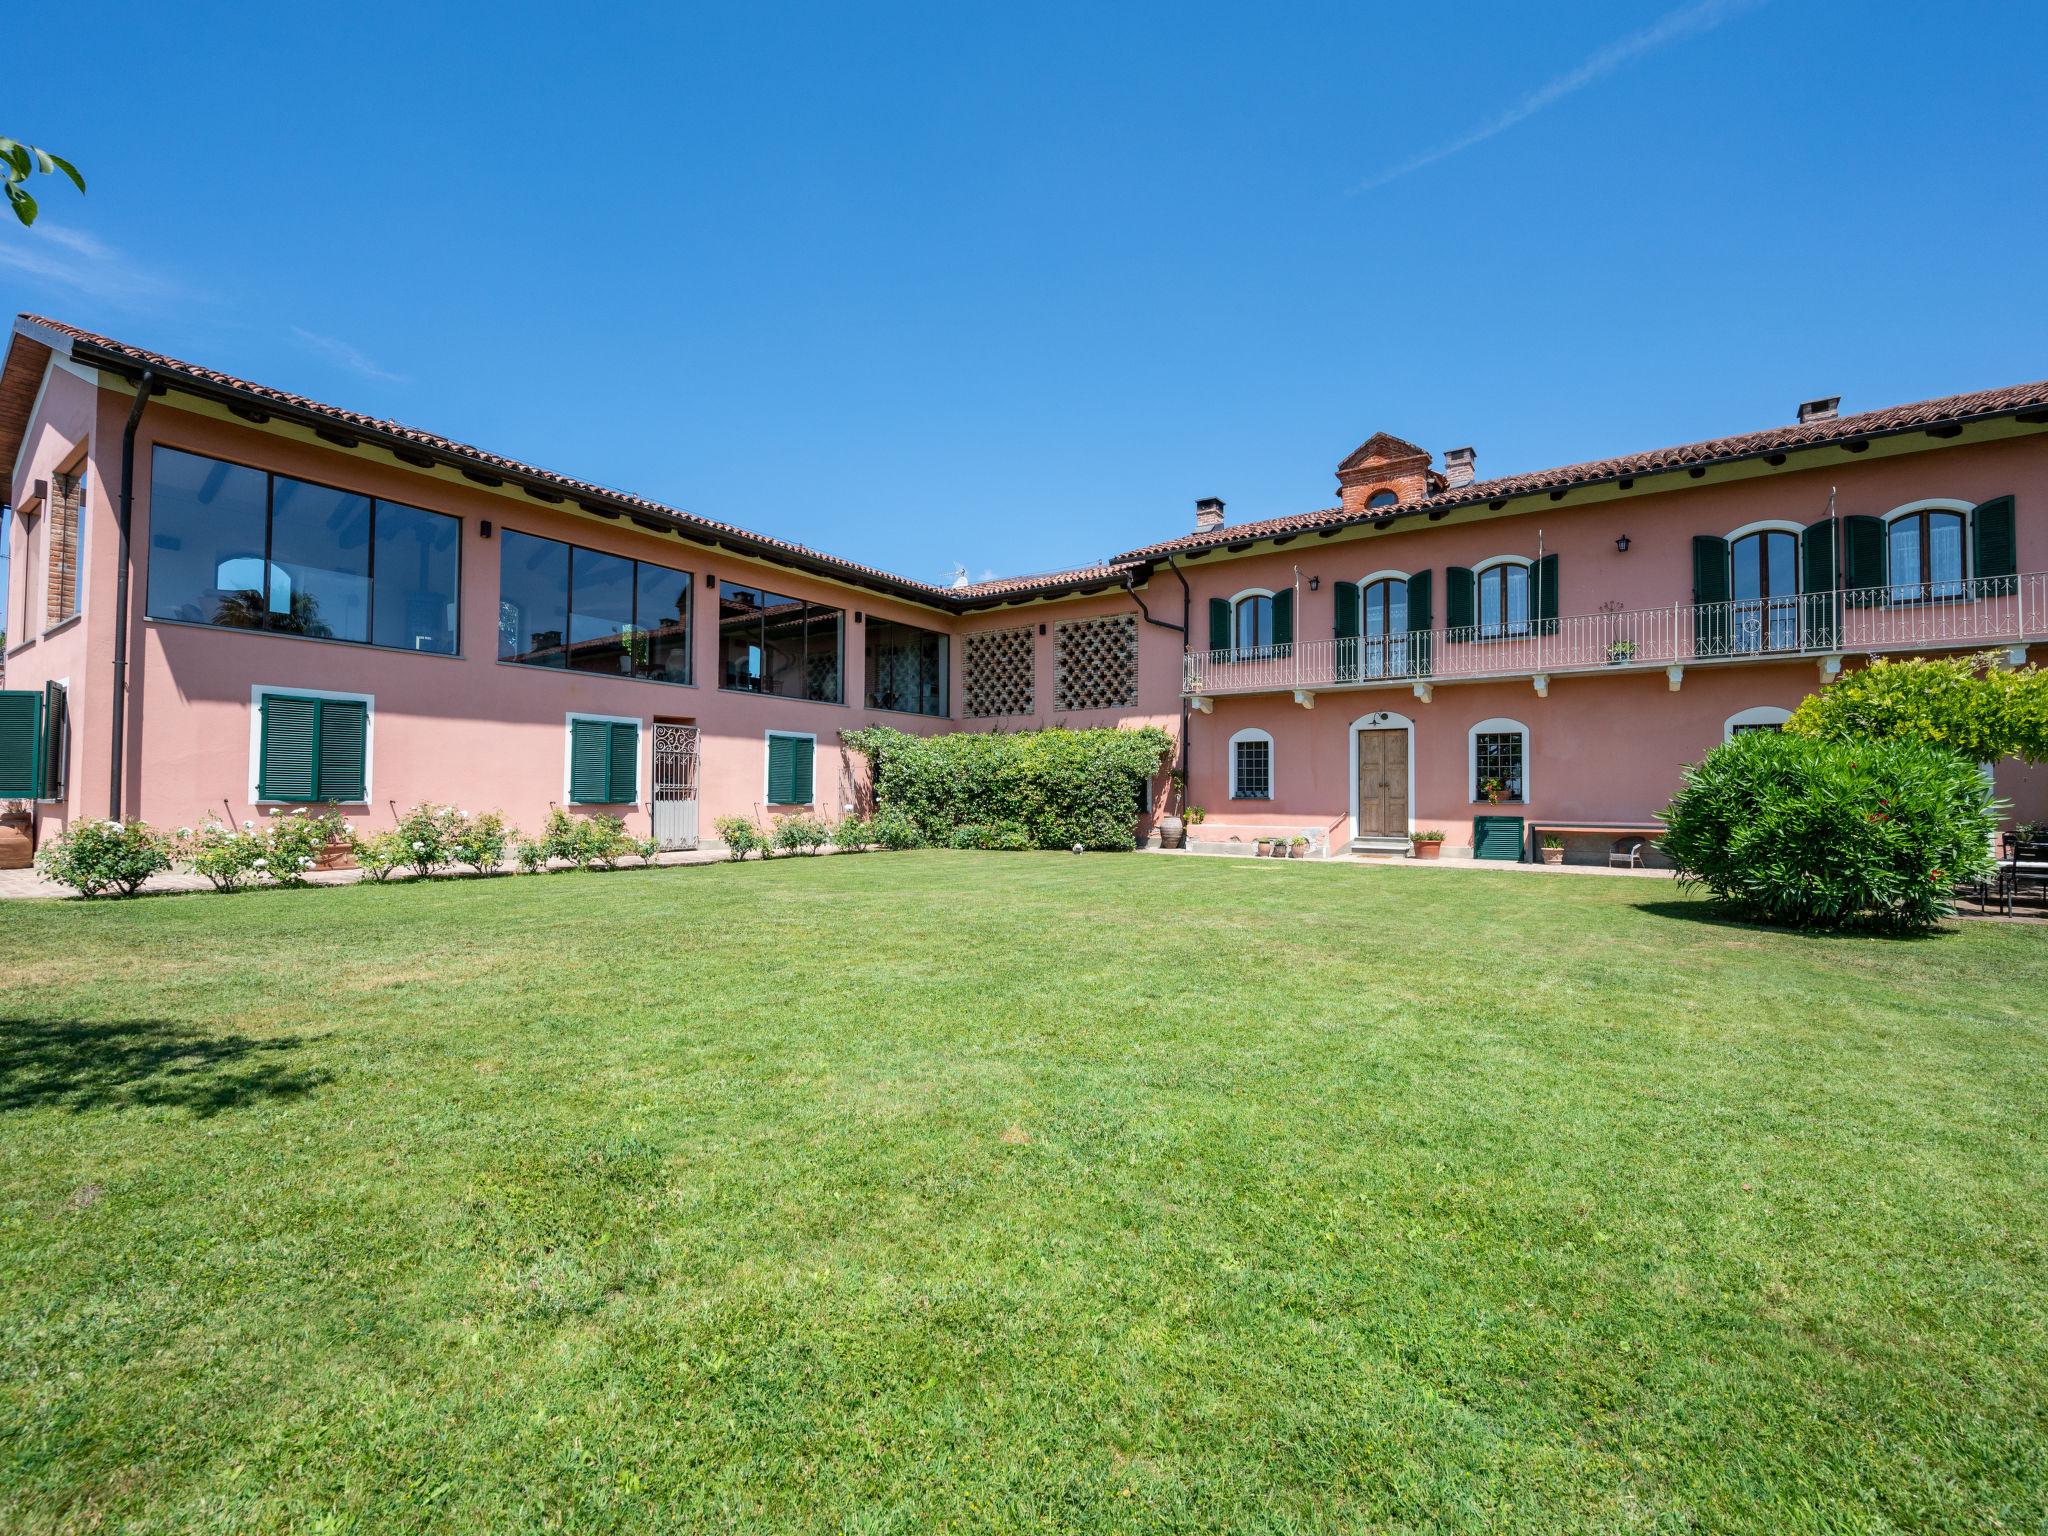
429,833
296,840
98,857
380,853
227,855
481,842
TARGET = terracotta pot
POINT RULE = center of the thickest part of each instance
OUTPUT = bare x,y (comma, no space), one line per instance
1297,850
17,842
1553,855
1171,831
1264,847
1427,850
336,855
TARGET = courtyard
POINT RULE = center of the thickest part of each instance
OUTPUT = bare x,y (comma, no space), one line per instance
987,1191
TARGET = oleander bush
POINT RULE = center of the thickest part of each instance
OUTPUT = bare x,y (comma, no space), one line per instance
800,834
97,857
740,836
1812,833
1064,787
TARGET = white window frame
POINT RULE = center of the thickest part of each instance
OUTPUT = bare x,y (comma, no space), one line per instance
569,748
1253,733
1931,504
1499,725
812,738
261,691
1494,562
1266,592
1756,714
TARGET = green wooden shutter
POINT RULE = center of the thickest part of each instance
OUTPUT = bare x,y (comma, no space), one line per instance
1350,622
21,740
1863,560
623,786
1709,595
789,770
344,738
1994,547
1283,620
1817,583
1460,599
1420,622
56,740
802,751
286,758
1543,601
1219,623
589,762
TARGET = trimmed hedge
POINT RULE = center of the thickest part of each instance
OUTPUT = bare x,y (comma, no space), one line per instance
1042,789
1806,833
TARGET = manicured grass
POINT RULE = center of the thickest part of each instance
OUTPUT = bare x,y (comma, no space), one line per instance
983,1192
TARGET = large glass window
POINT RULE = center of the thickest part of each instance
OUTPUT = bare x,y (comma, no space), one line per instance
906,668
561,605
1503,601
1925,555
1764,581
248,550
414,589
769,643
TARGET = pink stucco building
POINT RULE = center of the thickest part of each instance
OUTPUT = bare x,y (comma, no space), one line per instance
226,597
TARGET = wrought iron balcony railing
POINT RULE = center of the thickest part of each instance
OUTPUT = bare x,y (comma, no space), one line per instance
1998,610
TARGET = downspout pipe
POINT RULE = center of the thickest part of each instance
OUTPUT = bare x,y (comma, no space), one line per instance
123,521
1187,718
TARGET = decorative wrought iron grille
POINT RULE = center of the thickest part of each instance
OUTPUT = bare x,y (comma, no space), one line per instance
996,677
1095,663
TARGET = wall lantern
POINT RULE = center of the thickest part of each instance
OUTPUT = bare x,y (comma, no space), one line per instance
1315,583
1622,543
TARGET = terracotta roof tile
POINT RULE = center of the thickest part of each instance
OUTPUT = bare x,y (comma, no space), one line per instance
1747,445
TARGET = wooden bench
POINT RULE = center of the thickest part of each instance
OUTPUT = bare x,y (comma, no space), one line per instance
1614,831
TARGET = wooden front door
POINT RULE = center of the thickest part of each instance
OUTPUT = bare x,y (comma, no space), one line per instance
1383,783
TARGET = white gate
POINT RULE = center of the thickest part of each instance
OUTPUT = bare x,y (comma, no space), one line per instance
675,786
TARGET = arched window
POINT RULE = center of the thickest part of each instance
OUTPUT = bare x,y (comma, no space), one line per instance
1502,598
1251,621
1380,499
1251,765
1384,626
1763,567
1924,554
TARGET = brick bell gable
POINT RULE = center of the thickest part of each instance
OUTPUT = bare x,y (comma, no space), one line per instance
1384,462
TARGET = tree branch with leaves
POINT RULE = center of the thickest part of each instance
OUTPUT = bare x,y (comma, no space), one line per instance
21,161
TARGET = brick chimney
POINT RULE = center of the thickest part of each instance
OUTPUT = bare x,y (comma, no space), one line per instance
1384,471
1827,408
1457,467
1208,514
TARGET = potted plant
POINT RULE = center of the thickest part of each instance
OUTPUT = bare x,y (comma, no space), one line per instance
1426,845
1493,789
1553,848
1172,829
1621,651
17,838
1297,847
1264,848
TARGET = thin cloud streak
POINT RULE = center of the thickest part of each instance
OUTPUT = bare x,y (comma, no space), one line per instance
1686,22
54,255
354,359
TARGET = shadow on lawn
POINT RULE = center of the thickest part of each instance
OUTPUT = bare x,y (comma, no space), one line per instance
77,1066
1713,914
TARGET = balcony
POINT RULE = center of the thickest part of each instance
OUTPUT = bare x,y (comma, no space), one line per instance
1949,615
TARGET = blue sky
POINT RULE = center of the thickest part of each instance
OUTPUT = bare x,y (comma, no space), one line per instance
1010,287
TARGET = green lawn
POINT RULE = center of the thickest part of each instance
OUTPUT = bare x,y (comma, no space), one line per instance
981,1192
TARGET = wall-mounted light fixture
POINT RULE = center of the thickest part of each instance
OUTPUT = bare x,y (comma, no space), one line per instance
1315,583
1041,629
483,528
1622,543
710,580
